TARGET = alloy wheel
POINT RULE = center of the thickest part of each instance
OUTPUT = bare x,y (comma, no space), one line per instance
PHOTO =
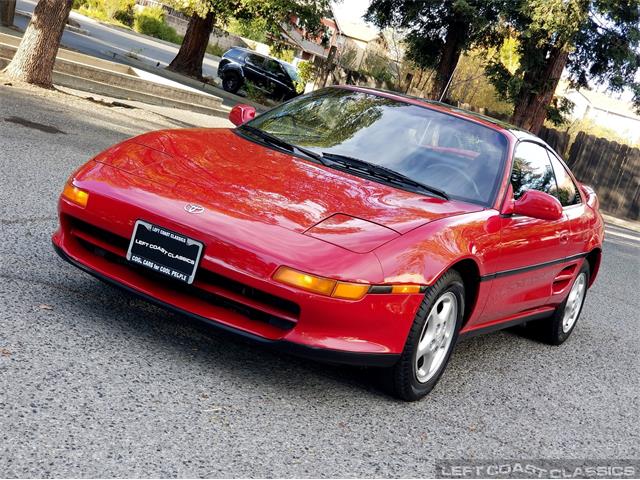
436,337
574,302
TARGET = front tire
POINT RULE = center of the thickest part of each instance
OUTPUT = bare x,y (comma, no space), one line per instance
431,339
231,82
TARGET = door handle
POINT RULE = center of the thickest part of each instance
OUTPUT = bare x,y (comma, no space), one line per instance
564,237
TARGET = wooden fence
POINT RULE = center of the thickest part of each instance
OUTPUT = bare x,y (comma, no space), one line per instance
612,169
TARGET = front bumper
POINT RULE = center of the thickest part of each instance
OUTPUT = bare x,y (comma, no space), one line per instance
318,354
371,331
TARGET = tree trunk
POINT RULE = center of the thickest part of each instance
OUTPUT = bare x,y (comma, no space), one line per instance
454,41
531,105
194,46
33,62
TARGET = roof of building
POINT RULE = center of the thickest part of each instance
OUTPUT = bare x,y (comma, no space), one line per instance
358,31
602,101
311,47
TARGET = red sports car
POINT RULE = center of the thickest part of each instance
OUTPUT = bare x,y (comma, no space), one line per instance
350,225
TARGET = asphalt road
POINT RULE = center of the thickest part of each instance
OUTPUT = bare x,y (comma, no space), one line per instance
95,383
103,41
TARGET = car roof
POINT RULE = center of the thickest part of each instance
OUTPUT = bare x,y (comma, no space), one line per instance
491,122
248,50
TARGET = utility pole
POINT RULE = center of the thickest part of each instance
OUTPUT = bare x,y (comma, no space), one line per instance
7,12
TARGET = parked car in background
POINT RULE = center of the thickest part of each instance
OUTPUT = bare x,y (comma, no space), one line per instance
275,77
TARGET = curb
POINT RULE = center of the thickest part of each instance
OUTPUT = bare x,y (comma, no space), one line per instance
149,65
620,222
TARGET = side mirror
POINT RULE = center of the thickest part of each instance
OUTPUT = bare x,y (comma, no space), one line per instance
241,114
536,204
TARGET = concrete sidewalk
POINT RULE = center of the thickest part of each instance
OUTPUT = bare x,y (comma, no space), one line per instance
83,72
122,45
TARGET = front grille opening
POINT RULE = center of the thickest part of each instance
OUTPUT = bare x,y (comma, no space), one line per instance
289,309
111,238
211,278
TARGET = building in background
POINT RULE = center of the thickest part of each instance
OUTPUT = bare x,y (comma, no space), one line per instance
337,39
603,110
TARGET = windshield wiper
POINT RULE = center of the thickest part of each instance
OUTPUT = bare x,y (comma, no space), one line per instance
278,142
380,172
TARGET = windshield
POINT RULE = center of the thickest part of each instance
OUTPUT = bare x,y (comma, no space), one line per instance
460,157
291,70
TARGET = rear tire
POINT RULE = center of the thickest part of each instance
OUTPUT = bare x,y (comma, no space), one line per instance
231,82
431,339
556,329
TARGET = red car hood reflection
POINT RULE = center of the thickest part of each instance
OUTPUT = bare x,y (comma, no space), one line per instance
221,171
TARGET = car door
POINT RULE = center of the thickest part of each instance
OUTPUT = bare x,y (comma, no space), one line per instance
573,205
254,69
276,77
532,250
580,220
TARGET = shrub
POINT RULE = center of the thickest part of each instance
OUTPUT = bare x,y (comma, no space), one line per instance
150,21
254,93
215,50
120,10
111,11
306,70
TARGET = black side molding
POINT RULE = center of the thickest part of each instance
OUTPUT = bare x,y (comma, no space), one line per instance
528,268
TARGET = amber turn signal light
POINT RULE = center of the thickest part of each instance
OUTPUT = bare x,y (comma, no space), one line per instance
405,289
321,285
305,281
75,195
350,291
337,289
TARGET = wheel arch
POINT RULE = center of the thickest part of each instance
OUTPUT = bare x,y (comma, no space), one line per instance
594,257
232,67
470,273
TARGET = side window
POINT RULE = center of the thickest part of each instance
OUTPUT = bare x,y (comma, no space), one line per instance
566,191
531,170
272,66
255,60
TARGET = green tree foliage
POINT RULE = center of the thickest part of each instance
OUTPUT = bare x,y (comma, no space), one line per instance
470,84
306,71
438,31
252,28
594,41
377,66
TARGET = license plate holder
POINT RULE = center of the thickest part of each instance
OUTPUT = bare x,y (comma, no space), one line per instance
164,251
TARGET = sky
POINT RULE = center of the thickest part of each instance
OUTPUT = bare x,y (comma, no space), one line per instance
350,10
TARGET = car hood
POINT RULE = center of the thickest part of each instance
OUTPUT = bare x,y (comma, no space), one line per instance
222,171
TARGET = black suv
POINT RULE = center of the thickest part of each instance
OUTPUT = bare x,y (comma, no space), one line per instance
277,78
